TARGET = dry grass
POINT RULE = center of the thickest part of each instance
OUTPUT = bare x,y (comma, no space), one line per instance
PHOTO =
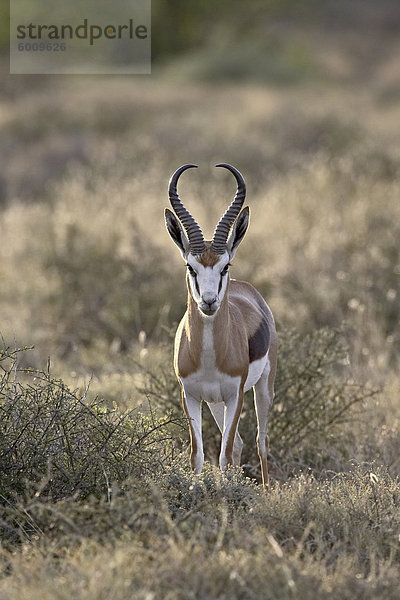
220,538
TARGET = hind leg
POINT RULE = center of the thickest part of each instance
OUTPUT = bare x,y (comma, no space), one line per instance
263,397
218,412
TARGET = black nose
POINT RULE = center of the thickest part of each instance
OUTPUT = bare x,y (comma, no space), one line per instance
208,299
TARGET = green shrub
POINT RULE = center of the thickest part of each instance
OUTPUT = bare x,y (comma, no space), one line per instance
56,443
315,399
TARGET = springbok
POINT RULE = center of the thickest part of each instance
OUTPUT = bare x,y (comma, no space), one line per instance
226,342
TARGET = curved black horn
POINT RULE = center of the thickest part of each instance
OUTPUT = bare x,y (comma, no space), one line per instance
192,229
222,230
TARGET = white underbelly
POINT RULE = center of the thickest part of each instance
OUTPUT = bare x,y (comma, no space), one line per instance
210,385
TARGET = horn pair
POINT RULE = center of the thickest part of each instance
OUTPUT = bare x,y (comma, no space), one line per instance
193,231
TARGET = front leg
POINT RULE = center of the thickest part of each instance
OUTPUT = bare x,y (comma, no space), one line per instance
218,412
192,408
233,410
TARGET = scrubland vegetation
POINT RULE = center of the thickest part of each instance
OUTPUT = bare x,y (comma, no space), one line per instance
97,498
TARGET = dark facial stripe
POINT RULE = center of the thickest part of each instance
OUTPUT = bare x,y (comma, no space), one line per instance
224,273
194,277
259,342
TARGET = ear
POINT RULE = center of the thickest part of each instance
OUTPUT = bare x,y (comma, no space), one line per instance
238,231
176,232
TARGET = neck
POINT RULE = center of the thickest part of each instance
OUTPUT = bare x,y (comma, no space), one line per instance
197,321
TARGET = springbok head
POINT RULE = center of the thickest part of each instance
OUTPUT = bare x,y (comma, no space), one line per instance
207,261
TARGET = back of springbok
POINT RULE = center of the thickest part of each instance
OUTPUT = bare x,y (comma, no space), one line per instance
226,342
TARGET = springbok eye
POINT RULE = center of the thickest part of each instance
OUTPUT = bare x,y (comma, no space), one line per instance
225,269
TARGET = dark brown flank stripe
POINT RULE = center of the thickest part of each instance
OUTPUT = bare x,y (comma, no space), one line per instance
259,342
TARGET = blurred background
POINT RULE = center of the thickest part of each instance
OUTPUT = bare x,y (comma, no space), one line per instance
302,97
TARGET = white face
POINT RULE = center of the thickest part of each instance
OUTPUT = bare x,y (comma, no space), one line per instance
208,284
